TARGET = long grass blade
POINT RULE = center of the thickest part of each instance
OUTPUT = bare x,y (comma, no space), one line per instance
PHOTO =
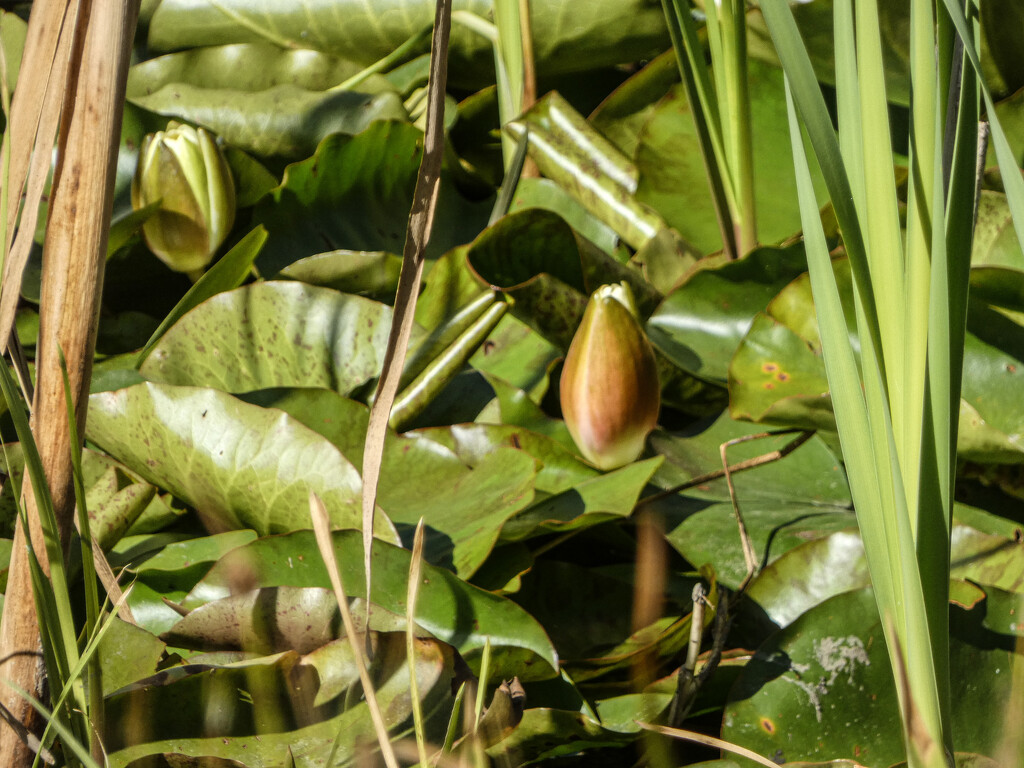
703,107
322,529
1013,182
411,596
421,221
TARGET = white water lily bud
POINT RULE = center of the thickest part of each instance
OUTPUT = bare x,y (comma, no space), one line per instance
609,390
185,171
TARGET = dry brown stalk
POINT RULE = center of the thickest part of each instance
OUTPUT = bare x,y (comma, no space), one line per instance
92,82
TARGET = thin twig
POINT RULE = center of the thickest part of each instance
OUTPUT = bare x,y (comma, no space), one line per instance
748,547
741,466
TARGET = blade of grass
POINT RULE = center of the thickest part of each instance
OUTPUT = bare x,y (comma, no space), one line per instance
485,675
1013,182
322,529
421,221
699,95
88,657
411,595
67,737
867,438
94,689
815,119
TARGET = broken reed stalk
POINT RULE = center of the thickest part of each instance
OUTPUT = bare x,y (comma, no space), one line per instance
92,93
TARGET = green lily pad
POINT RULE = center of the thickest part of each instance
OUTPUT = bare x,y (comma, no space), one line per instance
777,375
560,469
274,721
995,241
264,621
591,502
809,573
700,324
568,35
238,465
546,194
248,67
115,496
518,356
810,473
447,607
784,503
463,508
360,272
587,166
803,695
354,194
228,273
274,334
545,733
284,120
623,114
201,552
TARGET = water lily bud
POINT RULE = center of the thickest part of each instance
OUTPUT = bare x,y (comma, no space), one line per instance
610,392
185,171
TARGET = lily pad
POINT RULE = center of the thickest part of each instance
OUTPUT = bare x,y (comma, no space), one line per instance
354,194
239,465
700,324
548,269
785,503
777,375
447,607
809,573
274,334
274,721
463,508
248,67
802,697
284,121
568,35
587,166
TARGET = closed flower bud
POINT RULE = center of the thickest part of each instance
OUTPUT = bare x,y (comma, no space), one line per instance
185,171
609,390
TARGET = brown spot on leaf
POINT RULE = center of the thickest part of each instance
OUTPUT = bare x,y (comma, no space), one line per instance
767,726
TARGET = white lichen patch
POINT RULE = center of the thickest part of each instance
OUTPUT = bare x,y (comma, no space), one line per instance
839,655
836,656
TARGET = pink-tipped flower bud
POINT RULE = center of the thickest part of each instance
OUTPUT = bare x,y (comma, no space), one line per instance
610,392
